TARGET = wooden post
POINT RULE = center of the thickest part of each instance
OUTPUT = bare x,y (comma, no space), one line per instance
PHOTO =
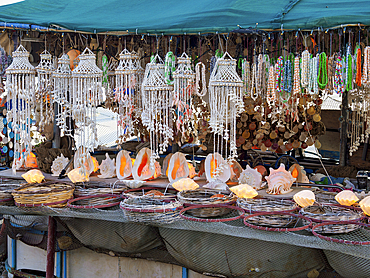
50,256
56,129
343,130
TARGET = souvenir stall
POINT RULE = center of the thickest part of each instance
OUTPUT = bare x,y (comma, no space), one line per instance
204,177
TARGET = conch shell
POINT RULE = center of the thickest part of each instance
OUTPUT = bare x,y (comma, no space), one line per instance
166,162
244,191
279,181
107,168
217,168
304,198
141,170
77,175
252,177
178,167
185,184
33,176
123,165
365,205
58,165
235,170
216,184
89,164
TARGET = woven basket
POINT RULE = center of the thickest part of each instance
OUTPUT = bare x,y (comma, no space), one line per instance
149,210
95,201
52,194
6,197
203,197
277,220
333,213
98,190
169,193
325,197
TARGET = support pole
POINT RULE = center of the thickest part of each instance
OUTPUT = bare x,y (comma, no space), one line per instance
343,130
56,129
50,256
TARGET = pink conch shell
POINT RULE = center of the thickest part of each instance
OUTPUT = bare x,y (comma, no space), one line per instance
279,181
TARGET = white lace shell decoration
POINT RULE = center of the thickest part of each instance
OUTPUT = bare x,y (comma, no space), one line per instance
107,168
251,177
279,181
59,163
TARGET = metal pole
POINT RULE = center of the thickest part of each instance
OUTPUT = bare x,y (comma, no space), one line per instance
50,256
56,130
343,130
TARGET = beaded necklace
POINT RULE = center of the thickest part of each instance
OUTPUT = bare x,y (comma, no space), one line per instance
278,74
271,94
323,71
349,73
304,68
287,77
358,67
338,77
366,67
313,87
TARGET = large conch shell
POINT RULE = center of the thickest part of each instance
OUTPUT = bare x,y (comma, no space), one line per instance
107,168
123,165
216,184
244,191
304,198
76,176
346,198
89,164
235,170
157,170
59,163
214,162
141,170
252,177
192,172
166,162
365,205
297,172
178,167
185,184
33,176
279,181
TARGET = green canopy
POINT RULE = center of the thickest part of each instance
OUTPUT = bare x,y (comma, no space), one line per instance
191,16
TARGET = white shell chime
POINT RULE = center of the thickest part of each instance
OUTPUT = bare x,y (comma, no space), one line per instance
87,95
157,101
44,90
183,89
62,95
20,85
126,92
226,103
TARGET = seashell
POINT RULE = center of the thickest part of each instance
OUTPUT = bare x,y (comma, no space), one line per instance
365,205
123,165
317,144
76,175
304,198
77,161
107,168
216,184
33,176
58,165
133,183
192,172
157,171
185,184
236,170
178,167
216,168
251,177
279,181
166,161
244,191
298,173
141,169
346,198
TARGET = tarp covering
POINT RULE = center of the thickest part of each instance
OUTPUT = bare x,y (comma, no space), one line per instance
191,16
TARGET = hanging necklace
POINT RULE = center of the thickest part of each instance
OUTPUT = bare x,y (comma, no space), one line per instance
304,68
322,78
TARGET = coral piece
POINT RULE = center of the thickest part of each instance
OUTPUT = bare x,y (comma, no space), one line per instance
279,181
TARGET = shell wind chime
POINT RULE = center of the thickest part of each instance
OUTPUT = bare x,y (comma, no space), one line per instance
20,84
62,94
226,103
157,101
184,78
87,95
126,92
44,90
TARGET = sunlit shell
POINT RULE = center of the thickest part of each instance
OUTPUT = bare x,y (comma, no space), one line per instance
251,177
141,169
236,170
33,176
185,184
89,164
298,173
157,171
59,163
123,165
244,191
165,165
279,181
192,172
107,168
304,198
217,168
216,184
178,167
365,205
346,198
76,176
